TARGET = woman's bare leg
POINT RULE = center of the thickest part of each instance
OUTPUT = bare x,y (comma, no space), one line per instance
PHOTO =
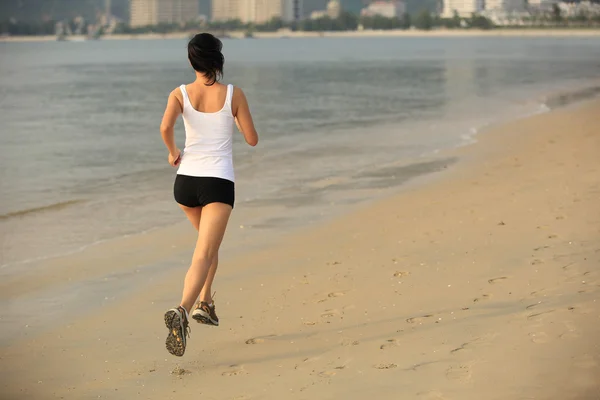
211,229
194,215
206,292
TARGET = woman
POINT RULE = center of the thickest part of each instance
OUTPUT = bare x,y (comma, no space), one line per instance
204,187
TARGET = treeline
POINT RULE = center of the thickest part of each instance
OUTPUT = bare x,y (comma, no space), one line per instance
350,22
345,22
27,28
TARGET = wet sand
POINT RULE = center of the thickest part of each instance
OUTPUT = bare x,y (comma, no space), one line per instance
480,282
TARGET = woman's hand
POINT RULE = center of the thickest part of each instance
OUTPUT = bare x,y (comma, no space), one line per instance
175,159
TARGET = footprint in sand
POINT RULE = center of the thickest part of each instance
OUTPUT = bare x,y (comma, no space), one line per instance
327,374
418,320
390,343
234,370
571,334
431,395
460,348
349,342
331,296
461,373
496,280
385,366
585,362
539,337
178,371
330,313
539,315
306,360
330,373
568,266
541,248
259,340
529,307
483,297
423,364
538,293
580,309
477,341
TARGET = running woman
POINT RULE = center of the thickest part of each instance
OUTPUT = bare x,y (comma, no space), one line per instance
204,187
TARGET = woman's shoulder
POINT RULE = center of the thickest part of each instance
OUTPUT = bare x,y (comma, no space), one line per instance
177,94
237,91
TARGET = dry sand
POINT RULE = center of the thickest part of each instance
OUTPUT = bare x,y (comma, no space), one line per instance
482,283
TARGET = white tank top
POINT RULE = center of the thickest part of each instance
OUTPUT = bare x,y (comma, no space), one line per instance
208,140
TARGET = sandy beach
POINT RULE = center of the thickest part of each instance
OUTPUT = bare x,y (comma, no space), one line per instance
478,282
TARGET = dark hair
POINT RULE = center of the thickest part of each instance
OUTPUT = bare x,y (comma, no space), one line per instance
204,53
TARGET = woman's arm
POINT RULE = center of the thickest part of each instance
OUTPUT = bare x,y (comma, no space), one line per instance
167,126
243,118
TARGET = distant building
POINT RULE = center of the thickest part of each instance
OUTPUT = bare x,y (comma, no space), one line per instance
354,6
508,6
318,14
506,12
388,9
333,11
153,12
464,8
293,10
535,3
251,11
536,6
205,8
226,10
261,11
585,8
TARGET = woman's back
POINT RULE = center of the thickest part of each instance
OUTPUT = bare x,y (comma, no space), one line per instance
208,119
207,99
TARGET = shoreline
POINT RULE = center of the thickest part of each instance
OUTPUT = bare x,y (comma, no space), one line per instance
427,165
457,270
441,33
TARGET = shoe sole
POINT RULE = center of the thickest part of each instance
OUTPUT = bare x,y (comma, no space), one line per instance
175,342
203,319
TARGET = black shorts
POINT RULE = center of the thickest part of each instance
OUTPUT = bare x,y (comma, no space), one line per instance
198,191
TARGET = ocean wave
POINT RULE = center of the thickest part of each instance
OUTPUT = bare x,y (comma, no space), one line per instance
566,98
34,210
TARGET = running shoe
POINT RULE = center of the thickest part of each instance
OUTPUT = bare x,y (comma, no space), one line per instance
179,330
205,313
